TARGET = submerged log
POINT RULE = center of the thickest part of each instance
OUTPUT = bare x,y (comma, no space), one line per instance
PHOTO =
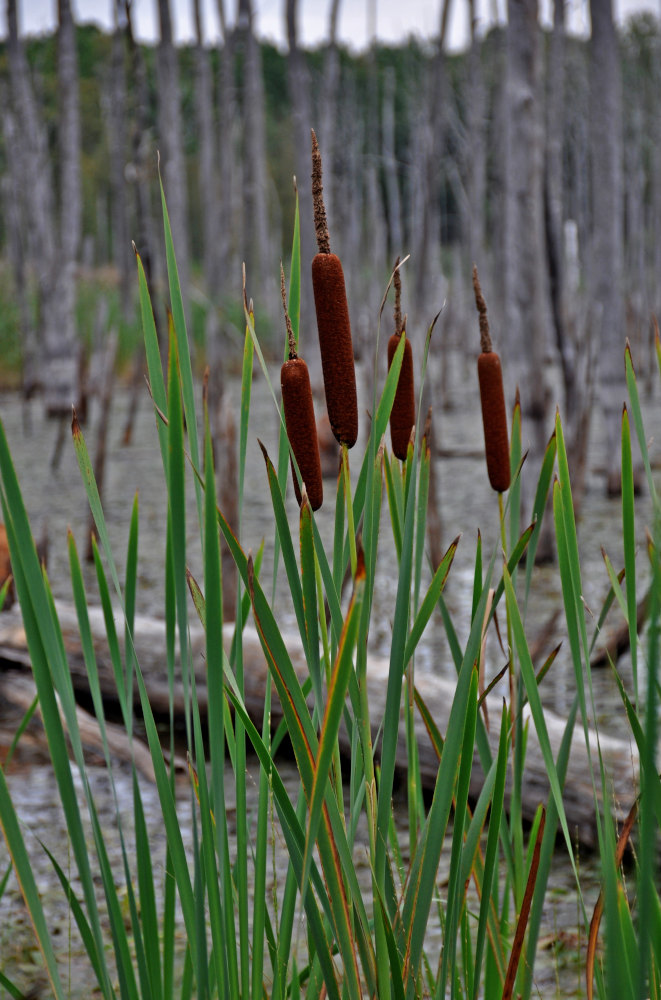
620,756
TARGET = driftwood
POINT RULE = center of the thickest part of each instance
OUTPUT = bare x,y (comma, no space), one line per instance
19,690
620,757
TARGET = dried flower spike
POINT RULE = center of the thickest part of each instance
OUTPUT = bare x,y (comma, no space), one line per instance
300,419
492,396
335,344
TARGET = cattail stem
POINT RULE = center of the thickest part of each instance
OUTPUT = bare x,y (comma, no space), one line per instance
350,521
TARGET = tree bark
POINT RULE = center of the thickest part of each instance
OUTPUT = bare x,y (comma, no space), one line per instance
207,175
256,230
526,347
301,109
607,238
54,254
116,124
173,168
394,202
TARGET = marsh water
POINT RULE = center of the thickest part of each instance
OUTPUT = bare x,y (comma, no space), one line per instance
56,498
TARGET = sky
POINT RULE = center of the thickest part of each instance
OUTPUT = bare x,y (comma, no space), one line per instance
391,20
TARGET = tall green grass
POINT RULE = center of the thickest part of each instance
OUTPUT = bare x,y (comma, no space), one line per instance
327,935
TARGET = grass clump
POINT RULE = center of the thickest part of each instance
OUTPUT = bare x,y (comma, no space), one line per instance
326,935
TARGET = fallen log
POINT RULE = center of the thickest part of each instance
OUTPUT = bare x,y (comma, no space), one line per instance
619,756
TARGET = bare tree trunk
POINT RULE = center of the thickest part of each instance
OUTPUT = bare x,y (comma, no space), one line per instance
207,176
299,93
17,224
143,157
327,133
524,259
116,123
256,229
228,135
607,249
637,311
173,168
55,259
477,162
394,205
554,207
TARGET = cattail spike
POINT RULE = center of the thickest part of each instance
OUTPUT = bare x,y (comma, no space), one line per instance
290,332
397,280
320,223
485,337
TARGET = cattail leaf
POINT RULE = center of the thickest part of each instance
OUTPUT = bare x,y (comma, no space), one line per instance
615,585
515,462
477,575
309,597
295,838
519,934
456,895
605,608
538,508
335,699
288,551
422,880
184,351
395,496
31,896
395,968
430,601
490,872
530,682
153,354
634,400
629,546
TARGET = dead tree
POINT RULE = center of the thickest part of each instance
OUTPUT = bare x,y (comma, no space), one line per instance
53,252
173,169
607,319
526,347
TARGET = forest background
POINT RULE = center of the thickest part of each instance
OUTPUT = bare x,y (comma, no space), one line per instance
535,154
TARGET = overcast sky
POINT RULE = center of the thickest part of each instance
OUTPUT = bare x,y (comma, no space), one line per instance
393,20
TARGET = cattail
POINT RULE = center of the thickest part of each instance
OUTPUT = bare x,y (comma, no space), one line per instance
330,299
494,416
300,419
402,415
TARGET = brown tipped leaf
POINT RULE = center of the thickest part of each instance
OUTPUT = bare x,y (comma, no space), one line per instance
302,429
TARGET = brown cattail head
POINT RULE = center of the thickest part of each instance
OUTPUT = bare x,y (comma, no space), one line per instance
402,415
492,396
494,418
302,428
336,347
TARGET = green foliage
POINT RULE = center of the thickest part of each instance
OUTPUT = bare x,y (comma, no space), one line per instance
357,939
